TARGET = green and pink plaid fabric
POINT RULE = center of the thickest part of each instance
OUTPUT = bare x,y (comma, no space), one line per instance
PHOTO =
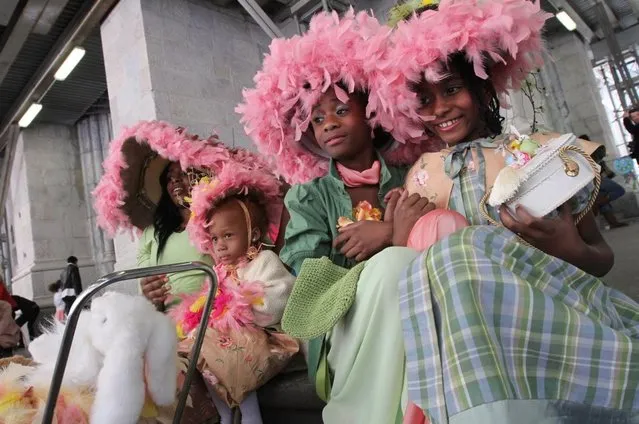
486,318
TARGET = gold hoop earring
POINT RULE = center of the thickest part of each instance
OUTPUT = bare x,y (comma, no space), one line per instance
252,252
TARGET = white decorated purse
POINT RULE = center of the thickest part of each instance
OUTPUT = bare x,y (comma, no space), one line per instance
543,177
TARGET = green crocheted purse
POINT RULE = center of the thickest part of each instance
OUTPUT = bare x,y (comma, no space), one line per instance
323,293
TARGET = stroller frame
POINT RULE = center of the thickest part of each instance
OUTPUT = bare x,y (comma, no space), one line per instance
107,280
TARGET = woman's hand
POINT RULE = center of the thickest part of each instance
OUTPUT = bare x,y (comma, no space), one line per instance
407,211
580,245
155,288
363,239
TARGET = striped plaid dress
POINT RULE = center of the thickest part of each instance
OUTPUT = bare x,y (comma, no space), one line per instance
496,331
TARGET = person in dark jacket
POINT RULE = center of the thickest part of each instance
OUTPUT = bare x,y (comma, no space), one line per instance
29,310
608,191
631,122
71,283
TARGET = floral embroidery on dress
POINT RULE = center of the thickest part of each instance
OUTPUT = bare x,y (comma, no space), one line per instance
421,177
225,342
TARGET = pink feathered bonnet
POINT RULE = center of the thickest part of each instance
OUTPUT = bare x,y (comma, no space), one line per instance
500,38
256,184
276,114
127,194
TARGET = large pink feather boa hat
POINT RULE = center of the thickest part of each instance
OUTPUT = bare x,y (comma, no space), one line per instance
501,39
297,71
259,185
169,142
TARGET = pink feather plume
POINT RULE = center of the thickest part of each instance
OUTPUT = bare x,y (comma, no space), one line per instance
172,143
233,180
501,38
232,308
298,70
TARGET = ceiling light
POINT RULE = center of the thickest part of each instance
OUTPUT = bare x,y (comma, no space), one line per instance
30,115
69,63
566,20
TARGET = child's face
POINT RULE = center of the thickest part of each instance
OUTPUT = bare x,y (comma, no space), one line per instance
635,116
229,233
341,129
451,104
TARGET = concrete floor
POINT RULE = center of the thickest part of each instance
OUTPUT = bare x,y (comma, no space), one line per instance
625,274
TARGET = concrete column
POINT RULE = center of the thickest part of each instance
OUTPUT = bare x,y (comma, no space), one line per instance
47,211
586,114
183,61
94,133
555,98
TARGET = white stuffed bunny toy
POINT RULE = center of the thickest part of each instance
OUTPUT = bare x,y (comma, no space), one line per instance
122,349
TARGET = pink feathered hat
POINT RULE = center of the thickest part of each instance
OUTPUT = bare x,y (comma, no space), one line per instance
500,38
128,192
297,71
261,186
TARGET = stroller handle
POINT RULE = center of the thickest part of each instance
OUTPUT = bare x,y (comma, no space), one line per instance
107,280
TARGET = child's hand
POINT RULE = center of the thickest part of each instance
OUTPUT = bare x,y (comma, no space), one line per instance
363,239
407,211
393,194
391,199
155,288
558,237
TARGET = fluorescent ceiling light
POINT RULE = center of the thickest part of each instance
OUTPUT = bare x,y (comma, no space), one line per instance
69,63
566,20
30,115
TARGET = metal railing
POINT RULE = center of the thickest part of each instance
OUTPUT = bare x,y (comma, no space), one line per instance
107,280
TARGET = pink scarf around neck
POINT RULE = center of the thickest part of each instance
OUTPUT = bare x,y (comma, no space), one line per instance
353,178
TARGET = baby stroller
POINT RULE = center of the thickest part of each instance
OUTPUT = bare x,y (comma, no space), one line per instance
84,299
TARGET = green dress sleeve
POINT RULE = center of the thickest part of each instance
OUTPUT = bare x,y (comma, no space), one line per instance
145,246
307,233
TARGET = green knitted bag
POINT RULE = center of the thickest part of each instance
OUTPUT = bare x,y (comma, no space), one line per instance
323,293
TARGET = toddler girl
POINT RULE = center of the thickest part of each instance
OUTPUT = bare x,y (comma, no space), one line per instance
56,289
243,348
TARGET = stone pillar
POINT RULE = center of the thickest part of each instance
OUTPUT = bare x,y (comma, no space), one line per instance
555,98
183,61
94,134
586,113
47,211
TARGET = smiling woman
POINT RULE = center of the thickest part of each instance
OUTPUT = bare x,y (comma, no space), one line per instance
166,242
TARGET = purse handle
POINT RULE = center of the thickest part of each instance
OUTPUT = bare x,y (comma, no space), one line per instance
570,166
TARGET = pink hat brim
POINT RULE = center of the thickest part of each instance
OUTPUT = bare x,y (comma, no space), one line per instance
170,143
350,51
500,38
233,180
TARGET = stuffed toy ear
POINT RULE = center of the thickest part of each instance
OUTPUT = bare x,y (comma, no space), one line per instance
119,397
161,360
119,332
